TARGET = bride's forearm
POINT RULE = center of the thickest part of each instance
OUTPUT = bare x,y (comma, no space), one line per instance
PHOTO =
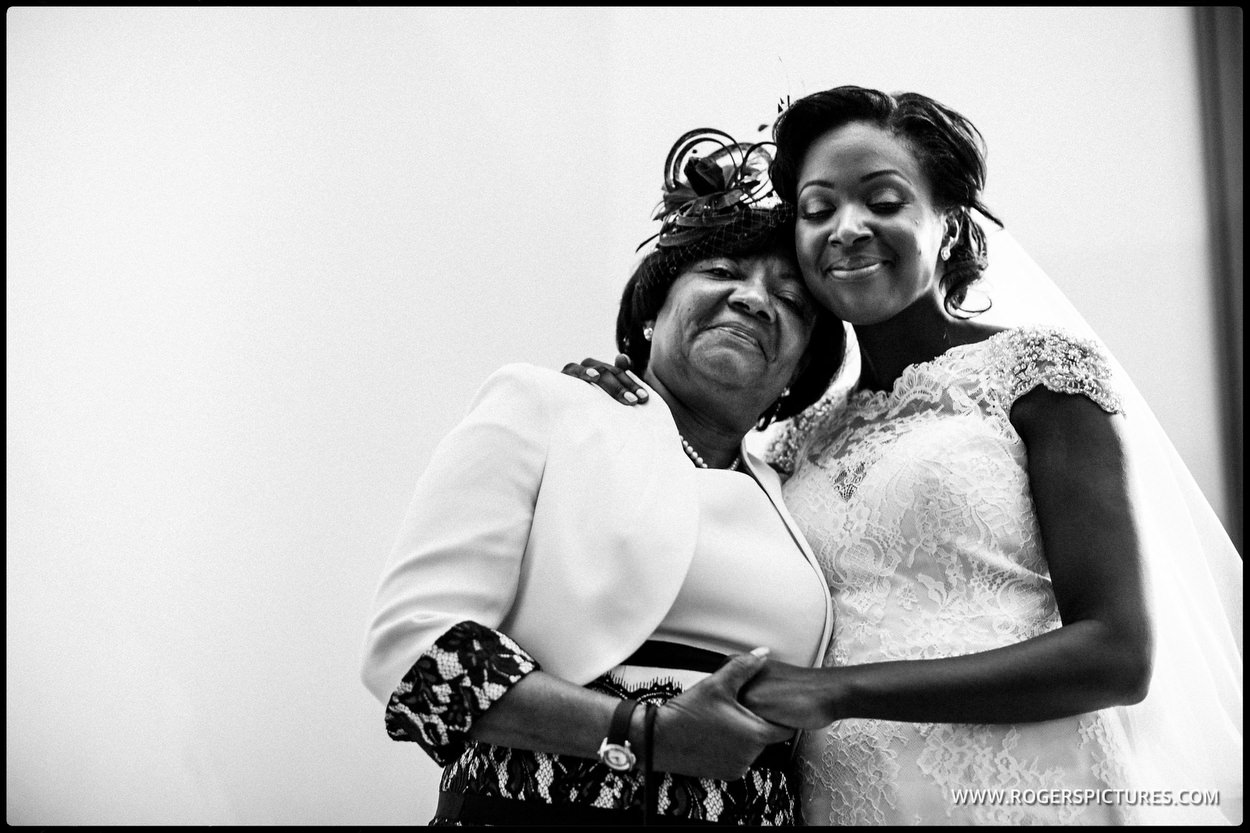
1077,668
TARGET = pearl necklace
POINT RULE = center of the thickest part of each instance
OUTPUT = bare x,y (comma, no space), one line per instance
698,460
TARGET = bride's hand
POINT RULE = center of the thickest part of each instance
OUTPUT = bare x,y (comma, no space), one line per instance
790,695
617,380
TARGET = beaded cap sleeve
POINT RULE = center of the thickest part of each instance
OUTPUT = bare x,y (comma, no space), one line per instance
454,682
1057,360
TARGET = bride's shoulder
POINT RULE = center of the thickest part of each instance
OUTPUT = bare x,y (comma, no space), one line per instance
1023,358
1043,338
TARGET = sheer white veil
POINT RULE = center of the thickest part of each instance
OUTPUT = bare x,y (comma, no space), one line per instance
1187,734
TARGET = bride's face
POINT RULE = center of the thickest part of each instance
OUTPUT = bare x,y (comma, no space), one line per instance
868,233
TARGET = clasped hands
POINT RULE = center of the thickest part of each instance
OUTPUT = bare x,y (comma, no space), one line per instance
718,727
792,696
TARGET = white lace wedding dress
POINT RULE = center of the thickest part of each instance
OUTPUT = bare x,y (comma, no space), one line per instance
917,504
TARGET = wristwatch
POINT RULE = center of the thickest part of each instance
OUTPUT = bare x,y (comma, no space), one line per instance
615,751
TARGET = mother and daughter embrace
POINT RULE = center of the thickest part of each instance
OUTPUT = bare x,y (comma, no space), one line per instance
968,561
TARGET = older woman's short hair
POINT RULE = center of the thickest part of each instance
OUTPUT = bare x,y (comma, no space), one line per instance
755,231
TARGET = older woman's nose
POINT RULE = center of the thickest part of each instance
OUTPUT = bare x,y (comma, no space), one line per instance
751,295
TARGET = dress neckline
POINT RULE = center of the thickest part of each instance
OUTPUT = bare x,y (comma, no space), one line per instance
877,398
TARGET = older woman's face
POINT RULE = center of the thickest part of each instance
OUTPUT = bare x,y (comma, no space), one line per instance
868,233
740,323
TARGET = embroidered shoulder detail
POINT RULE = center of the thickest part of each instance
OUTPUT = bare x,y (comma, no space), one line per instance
784,449
783,452
463,674
1059,361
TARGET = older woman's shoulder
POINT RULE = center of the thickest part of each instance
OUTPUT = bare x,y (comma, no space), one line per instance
524,373
524,382
535,378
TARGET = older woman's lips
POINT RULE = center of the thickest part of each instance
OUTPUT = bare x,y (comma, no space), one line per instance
851,272
742,333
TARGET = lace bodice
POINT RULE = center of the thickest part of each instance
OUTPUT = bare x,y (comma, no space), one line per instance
917,504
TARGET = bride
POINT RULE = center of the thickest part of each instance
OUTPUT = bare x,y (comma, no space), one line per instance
1014,612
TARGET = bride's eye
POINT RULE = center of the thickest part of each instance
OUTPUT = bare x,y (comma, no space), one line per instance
815,209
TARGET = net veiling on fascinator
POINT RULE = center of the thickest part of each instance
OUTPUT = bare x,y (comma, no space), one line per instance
717,199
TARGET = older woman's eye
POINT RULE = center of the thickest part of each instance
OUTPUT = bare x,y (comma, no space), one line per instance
793,300
800,305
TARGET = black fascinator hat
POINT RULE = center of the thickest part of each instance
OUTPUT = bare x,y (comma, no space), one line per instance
718,201
715,190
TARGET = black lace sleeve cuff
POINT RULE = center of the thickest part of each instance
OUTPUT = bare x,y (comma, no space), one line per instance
462,675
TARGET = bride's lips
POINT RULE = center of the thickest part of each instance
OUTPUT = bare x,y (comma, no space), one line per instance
854,270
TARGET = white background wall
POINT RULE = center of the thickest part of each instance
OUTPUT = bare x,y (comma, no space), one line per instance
258,260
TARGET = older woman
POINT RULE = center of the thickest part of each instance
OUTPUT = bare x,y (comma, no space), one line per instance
565,560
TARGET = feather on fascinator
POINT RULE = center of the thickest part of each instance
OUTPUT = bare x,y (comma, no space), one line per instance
718,201
710,182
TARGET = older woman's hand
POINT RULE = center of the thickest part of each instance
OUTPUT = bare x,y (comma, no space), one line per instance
617,380
790,695
707,732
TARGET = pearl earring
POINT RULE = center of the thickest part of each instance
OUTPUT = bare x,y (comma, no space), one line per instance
785,393
647,332
946,252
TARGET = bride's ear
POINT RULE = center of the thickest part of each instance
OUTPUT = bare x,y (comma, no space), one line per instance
950,238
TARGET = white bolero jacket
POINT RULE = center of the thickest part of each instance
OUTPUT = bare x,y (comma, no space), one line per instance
555,515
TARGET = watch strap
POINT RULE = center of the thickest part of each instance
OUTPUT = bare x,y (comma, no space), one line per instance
650,784
618,729
615,750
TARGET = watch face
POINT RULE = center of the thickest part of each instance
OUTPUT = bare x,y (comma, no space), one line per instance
617,757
